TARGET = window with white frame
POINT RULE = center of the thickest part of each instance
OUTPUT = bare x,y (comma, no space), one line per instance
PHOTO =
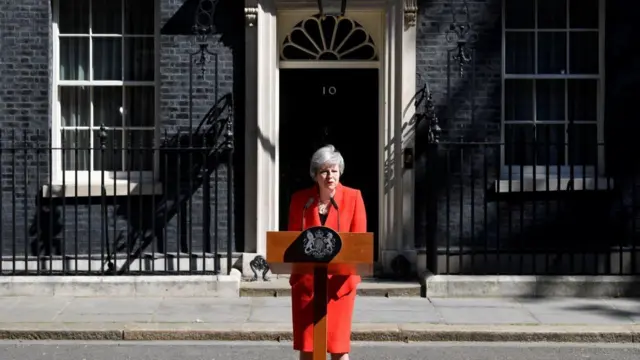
105,74
552,83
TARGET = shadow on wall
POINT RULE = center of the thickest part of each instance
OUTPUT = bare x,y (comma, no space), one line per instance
433,71
622,211
228,20
135,227
187,163
579,223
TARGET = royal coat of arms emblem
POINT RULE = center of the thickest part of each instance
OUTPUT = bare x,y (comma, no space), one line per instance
319,243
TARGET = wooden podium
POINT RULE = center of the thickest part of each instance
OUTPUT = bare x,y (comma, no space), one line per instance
320,251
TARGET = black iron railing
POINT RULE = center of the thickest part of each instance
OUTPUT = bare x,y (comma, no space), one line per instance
568,215
157,207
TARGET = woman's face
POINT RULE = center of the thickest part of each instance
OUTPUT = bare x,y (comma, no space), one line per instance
328,176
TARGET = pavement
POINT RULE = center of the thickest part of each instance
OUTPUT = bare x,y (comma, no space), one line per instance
208,350
399,319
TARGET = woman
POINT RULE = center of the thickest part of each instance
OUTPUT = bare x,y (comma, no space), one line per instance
326,167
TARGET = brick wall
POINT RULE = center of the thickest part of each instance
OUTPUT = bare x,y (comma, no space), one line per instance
25,105
467,215
25,43
210,81
453,95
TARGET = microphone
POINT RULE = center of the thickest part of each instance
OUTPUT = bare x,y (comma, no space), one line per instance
304,210
335,205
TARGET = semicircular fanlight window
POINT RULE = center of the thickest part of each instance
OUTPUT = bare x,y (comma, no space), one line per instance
328,38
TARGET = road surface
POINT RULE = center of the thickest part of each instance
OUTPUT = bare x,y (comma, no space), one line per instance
162,350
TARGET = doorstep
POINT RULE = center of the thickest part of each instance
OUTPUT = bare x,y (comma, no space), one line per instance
279,286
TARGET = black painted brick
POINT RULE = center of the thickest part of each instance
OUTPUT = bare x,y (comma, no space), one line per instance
453,100
25,105
516,224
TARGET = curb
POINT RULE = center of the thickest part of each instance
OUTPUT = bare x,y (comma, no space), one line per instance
375,332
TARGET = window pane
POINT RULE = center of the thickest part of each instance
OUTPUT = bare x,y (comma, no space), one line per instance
107,59
550,144
139,17
583,148
584,53
583,14
73,16
583,100
552,53
106,17
140,143
75,149
107,102
518,100
140,106
518,144
520,52
546,148
74,106
74,58
550,100
552,14
111,157
520,14
139,59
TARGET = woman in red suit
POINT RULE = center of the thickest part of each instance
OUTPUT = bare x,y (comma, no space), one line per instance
326,167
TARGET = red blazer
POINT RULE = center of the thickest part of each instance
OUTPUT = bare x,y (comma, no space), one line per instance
353,218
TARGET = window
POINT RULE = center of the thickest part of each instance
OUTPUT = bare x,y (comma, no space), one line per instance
104,74
552,81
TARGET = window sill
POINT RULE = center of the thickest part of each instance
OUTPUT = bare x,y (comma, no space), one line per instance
119,188
541,184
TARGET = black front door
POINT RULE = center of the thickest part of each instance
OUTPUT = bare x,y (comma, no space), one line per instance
329,106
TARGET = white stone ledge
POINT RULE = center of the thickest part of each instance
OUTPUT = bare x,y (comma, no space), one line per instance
541,184
118,188
226,286
530,286
150,263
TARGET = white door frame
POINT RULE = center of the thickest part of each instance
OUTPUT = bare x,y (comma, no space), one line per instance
396,51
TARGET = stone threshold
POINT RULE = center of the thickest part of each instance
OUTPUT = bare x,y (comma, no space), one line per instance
279,286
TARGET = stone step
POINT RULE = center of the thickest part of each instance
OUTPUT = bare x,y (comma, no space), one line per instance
279,286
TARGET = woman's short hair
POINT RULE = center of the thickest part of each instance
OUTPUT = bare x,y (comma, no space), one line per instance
326,155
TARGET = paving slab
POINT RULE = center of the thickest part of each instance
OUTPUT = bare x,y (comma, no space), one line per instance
479,302
478,315
115,305
396,316
102,318
375,319
201,310
581,318
280,314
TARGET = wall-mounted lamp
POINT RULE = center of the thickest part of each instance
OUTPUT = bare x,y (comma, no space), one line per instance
461,34
203,28
332,7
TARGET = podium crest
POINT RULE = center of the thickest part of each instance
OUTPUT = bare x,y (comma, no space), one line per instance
321,243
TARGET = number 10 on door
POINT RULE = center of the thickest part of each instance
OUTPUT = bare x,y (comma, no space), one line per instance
329,90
